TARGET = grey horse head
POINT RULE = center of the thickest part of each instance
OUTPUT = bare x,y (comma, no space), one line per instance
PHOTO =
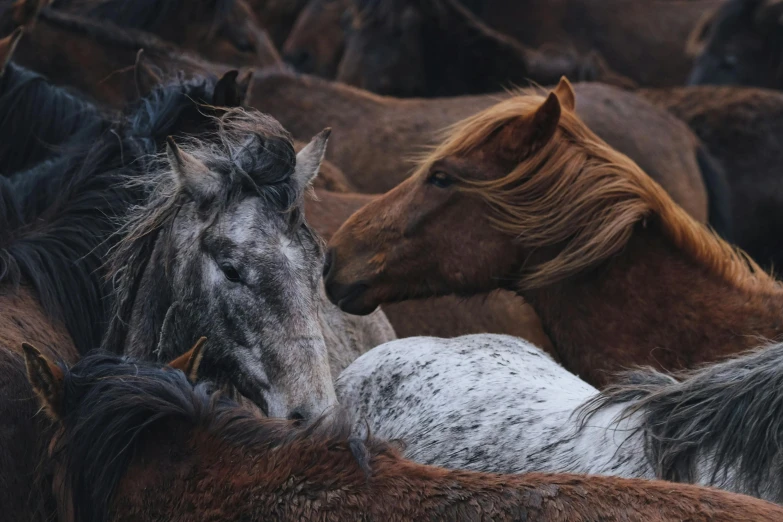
222,250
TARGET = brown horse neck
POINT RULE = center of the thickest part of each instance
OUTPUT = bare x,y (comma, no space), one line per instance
205,475
23,320
653,305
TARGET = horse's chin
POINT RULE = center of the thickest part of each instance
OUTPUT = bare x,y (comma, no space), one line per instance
357,305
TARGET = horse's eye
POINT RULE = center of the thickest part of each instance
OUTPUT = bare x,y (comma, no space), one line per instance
440,179
231,273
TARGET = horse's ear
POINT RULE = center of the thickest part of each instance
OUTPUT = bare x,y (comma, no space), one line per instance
7,47
25,12
46,379
309,159
145,76
227,92
565,94
191,173
521,137
697,40
189,361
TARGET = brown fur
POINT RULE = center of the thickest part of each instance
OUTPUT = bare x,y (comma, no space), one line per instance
188,474
316,42
642,40
234,38
448,316
742,127
24,435
70,51
277,16
619,274
428,48
391,132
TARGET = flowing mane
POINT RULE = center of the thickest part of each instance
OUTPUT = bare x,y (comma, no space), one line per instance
578,190
729,415
111,403
250,150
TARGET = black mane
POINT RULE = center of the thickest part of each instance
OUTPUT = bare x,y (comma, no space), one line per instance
58,220
41,117
110,403
727,416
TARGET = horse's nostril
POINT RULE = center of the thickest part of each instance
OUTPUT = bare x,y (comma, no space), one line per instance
297,415
327,263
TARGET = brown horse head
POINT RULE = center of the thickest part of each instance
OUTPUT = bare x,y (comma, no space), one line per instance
739,43
316,42
520,196
435,233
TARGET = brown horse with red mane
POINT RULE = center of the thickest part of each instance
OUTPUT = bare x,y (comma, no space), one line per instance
523,196
139,442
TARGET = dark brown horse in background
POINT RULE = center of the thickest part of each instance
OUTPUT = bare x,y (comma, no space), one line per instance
742,128
223,31
439,48
739,42
139,442
523,196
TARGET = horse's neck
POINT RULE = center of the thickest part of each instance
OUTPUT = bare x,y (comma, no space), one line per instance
305,103
23,320
653,305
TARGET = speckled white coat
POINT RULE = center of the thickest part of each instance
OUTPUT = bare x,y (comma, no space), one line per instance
488,403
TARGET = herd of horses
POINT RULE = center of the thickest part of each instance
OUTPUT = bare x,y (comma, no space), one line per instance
349,260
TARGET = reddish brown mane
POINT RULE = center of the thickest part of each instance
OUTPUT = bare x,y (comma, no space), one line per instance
579,191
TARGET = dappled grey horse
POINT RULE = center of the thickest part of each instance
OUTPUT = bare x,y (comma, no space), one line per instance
221,249
498,403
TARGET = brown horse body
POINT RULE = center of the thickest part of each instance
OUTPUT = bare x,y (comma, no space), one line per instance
172,451
374,138
742,128
524,196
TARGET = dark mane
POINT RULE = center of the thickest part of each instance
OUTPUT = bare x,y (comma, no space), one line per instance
110,403
146,15
728,415
58,219
41,116
251,151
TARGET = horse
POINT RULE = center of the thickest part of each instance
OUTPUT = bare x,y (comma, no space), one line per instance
55,226
501,312
436,48
393,131
140,442
524,196
738,42
316,42
223,31
277,16
44,117
643,41
498,404
740,126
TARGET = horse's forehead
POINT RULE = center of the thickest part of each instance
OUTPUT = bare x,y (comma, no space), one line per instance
251,220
